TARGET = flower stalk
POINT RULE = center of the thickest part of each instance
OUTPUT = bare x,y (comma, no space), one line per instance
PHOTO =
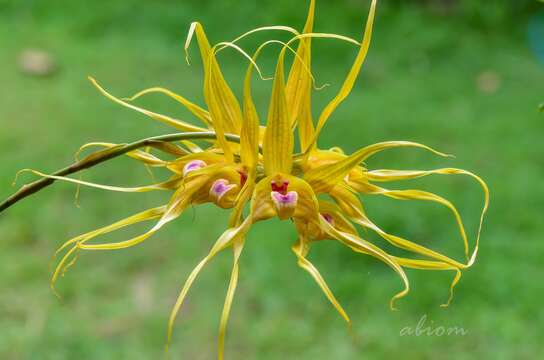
101,156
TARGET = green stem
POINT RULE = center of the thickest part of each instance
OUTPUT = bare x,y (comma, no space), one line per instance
105,155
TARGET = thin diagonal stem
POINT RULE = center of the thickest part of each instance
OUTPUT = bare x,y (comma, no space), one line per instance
105,155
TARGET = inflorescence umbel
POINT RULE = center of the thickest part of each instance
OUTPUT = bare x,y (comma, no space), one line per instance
253,170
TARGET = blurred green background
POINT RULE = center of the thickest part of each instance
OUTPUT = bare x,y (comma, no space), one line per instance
465,77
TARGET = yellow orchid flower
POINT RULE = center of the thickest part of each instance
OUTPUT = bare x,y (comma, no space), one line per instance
263,175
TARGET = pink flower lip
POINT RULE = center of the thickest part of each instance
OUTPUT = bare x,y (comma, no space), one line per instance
192,166
286,204
219,188
287,199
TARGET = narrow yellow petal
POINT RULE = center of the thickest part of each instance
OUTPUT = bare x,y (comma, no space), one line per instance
300,250
146,215
299,82
394,175
426,196
223,242
61,268
353,209
237,248
299,96
432,265
384,175
222,104
196,110
306,129
194,148
139,155
176,123
226,44
347,200
266,28
166,147
128,243
177,205
185,289
279,136
452,286
362,246
220,110
278,140
250,134
249,138
349,82
243,198
402,243
167,185
327,176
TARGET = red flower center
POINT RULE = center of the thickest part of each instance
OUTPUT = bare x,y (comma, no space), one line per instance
328,218
280,186
243,177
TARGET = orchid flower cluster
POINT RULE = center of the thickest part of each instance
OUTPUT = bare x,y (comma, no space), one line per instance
254,171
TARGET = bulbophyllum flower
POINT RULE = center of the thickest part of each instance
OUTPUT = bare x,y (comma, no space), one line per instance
261,177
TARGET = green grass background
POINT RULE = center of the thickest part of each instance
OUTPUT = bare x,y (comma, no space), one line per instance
419,84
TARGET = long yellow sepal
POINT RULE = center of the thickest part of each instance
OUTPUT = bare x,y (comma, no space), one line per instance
177,205
167,185
62,266
394,175
139,155
196,110
299,81
300,249
359,245
222,104
238,245
349,82
402,243
278,139
432,265
224,241
325,177
425,196
175,123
